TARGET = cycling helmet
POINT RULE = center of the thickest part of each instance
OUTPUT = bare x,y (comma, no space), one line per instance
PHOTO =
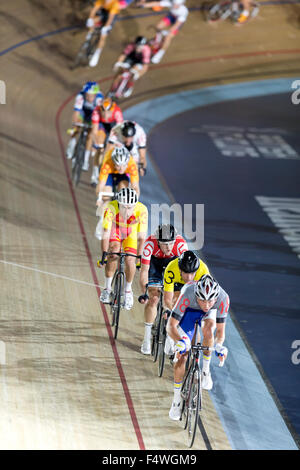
165,233
127,196
120,155
140,41
188,262
128,129
178,2
207,288
107,104
92,88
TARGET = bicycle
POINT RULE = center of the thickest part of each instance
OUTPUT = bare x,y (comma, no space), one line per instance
191,392
78,157
117,294
228,9
122,86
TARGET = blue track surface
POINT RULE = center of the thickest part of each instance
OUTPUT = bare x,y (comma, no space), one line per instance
246,253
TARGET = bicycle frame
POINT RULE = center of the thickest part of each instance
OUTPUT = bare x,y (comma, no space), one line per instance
117,300
78,158
191,392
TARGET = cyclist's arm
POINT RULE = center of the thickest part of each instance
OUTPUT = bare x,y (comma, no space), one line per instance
110,18
144,276
143,160
220,333
94,11
168,299
150,4
172,329
105,240
76,117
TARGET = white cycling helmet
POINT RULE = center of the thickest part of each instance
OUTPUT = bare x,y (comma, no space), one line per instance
207,288
127,196
120,156
178,2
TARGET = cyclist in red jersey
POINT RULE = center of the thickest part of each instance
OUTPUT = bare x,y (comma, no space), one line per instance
104,118
159,249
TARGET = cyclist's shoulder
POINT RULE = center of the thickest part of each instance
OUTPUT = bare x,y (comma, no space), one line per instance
223,296
203,269
140,207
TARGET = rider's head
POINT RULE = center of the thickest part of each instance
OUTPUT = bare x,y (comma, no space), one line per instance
140,41
90,90
207,291
120,156
178,3
107,104
166,236
128,131
188,263
127,199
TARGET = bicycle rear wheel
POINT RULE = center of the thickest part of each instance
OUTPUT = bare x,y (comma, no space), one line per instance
194,406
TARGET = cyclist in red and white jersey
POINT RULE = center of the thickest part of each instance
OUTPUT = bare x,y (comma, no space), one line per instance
159,249
173,21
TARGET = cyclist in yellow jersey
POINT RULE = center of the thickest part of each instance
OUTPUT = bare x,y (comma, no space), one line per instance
107,10
125,226
188,267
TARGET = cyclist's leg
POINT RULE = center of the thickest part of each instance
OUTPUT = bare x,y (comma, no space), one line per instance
149,317
107,26
87,152
244,16
208,340
129,245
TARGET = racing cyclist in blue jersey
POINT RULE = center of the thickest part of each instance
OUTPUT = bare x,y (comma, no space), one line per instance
206,301
85,102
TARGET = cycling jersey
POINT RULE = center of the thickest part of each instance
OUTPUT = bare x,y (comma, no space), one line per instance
113,116
111,5
152,249
172,276
125,231
187,309
108,167
180,13
84,107
139,139
141,57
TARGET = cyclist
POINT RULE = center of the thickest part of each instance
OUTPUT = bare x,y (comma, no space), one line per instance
136,57
174,20
125,226
161,247
107,10
104,118
117,171
188,267
205,301
85,102
133,137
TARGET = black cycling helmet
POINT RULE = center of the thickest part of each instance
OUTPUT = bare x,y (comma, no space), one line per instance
188,262
140,41
165,233
128,129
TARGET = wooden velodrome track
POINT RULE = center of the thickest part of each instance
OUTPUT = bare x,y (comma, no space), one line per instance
65,383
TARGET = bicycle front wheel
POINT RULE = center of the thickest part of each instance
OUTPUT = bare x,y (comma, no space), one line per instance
79,157
161,347
117,302
194,406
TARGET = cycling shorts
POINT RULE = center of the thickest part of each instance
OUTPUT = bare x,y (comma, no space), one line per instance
114,179
169,20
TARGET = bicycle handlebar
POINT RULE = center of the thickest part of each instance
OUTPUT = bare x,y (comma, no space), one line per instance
118,253
82,124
